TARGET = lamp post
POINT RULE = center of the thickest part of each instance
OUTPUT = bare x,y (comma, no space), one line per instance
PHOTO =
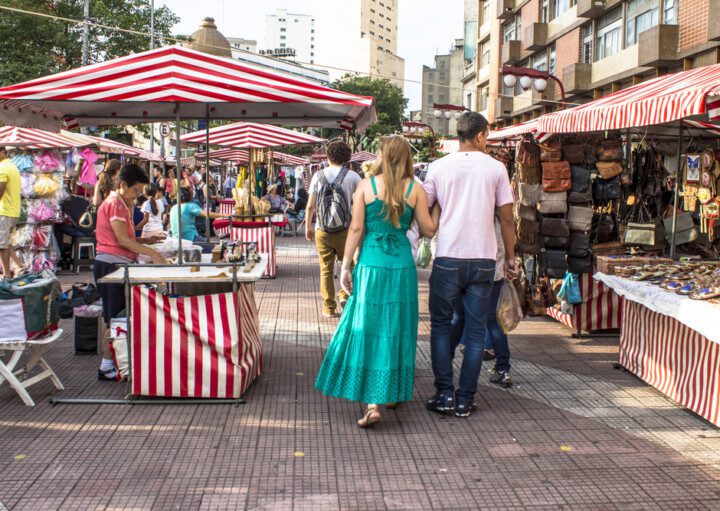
448,111
418,130
530,77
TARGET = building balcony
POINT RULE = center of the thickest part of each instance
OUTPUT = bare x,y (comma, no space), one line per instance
536,36
511,52
503,107
577,77
590,8
658,46
505,8
610,67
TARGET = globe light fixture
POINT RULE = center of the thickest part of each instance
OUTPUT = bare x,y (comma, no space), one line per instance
509,80
421,130
448,115
525,82
457,115
405,129
437,114
413,130
540,84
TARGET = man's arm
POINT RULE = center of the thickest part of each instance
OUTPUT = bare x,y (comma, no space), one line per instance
507,230
2,189
430,188
309,212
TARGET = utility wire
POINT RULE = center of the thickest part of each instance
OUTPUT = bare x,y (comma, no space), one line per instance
179,40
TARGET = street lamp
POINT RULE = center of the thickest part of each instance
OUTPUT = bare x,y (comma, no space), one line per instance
530,77
448,111
418,130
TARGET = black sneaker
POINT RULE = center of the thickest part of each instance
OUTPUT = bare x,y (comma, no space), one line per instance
441,403
463,409
501,378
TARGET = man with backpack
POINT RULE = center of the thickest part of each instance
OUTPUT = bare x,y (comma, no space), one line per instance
331,191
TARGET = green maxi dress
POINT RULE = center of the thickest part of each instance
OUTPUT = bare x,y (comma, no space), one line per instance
371,357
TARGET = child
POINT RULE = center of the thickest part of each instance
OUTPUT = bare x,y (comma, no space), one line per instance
152,209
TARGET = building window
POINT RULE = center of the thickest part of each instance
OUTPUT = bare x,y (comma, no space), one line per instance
539,61
282,37
312,30
641,15
431,88
431,98
283,29
282,45
608,37
485,11
469,101
512,30
551,59
587,37
670,12
484,96
560,6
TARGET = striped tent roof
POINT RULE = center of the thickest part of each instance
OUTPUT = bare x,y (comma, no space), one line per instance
147,86
246,135
242,156
513,131
363,156
30,138
289,159
661,100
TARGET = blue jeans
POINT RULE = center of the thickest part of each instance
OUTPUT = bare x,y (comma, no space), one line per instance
495,338
469,282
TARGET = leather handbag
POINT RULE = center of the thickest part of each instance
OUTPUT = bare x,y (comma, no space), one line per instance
529,174
580,264
579,245
551,152
88,220
559,227
580,197
605,228
609,169
685,230
553,263
580,178
528,239
605,191
526,212
553,202
580,218
574,153
610,150
529,194
556,176
527,153
644,230
555,242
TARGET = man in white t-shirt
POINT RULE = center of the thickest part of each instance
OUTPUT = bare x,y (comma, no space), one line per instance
470,186
331,243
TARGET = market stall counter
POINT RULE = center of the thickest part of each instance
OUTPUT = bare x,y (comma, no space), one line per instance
200,341
671,341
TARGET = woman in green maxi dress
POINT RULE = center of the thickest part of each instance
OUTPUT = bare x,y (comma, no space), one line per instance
371,357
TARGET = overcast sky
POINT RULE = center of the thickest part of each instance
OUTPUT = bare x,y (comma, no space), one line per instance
426,27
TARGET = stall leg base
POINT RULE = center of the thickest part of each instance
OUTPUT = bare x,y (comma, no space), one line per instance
143,401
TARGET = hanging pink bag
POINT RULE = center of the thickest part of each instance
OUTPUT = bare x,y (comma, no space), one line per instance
88,177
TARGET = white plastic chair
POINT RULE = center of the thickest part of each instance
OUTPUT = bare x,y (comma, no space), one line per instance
21,379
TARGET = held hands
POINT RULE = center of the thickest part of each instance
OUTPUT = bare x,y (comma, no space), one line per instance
346,280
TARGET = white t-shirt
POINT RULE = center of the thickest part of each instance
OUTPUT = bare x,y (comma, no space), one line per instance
352,180
468,186
155,221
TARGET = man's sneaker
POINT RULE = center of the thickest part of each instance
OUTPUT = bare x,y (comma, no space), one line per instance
501,378
330,314
463,409
441,403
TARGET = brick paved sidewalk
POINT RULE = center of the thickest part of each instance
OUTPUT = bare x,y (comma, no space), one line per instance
572,434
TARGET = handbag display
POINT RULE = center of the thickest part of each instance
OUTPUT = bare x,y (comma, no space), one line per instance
579,244
553,263
527,153
609,169
556,176
580,197
580,264
529,194
528,239
551,152
685,230
558,227
605,228
580,218
605,191
580,177
643,230
526,212
553,202
610,150
529,174
574,153
555,242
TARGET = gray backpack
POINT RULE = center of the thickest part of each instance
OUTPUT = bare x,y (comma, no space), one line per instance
334,213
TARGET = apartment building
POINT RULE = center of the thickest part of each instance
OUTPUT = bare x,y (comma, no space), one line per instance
240,43
285,31
594,47
443,84
469,81
359,36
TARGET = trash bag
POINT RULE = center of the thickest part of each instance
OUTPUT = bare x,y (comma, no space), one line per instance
424,255
508,313
570,289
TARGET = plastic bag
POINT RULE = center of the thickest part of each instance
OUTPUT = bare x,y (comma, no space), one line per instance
27,185
41,211
45,185
23,162
88,176
22,236
570,289
48,162
424,255
508,312
41,237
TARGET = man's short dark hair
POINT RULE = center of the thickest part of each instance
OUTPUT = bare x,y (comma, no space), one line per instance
338,152
185,195
133,174
470,125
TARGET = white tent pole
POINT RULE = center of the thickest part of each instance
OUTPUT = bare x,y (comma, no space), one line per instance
178,181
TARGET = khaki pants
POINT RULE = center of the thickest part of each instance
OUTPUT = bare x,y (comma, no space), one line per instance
330,245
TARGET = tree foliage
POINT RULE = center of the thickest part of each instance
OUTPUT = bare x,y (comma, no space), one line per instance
389,103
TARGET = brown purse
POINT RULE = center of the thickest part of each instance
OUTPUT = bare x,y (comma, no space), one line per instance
528,174
556,176
552,151
527,153
574,153
610,150
609,169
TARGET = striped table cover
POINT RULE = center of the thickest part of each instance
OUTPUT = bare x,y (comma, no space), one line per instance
600,309
227,207
201,346
264,237
675,359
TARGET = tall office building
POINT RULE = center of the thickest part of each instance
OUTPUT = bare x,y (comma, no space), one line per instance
287,31
443,84
359,35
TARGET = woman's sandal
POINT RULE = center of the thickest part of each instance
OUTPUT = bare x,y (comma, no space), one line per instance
371,417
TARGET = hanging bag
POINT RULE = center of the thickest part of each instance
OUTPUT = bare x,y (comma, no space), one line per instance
574,153
527,153
644,230
556,176
685,229
550,152
553,202
529,194
610,150
609,169
580,218
579,244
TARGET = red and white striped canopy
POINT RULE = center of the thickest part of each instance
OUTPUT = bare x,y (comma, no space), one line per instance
243,156
285,159
112,146
30,138
363,156
247,135
516,130
150,86
661,100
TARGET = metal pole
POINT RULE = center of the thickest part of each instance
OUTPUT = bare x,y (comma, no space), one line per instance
177,183
86,33
152,47
128,324
207,172
678,169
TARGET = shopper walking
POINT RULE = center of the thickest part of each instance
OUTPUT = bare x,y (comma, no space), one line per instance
469,185
9,210
331,192
371,357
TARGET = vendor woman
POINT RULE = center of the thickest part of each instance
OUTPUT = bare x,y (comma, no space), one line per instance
277,203
116,244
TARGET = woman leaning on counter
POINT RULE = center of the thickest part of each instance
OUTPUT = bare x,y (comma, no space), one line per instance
116,244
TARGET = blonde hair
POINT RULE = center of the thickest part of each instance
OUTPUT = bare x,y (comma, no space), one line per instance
396,166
